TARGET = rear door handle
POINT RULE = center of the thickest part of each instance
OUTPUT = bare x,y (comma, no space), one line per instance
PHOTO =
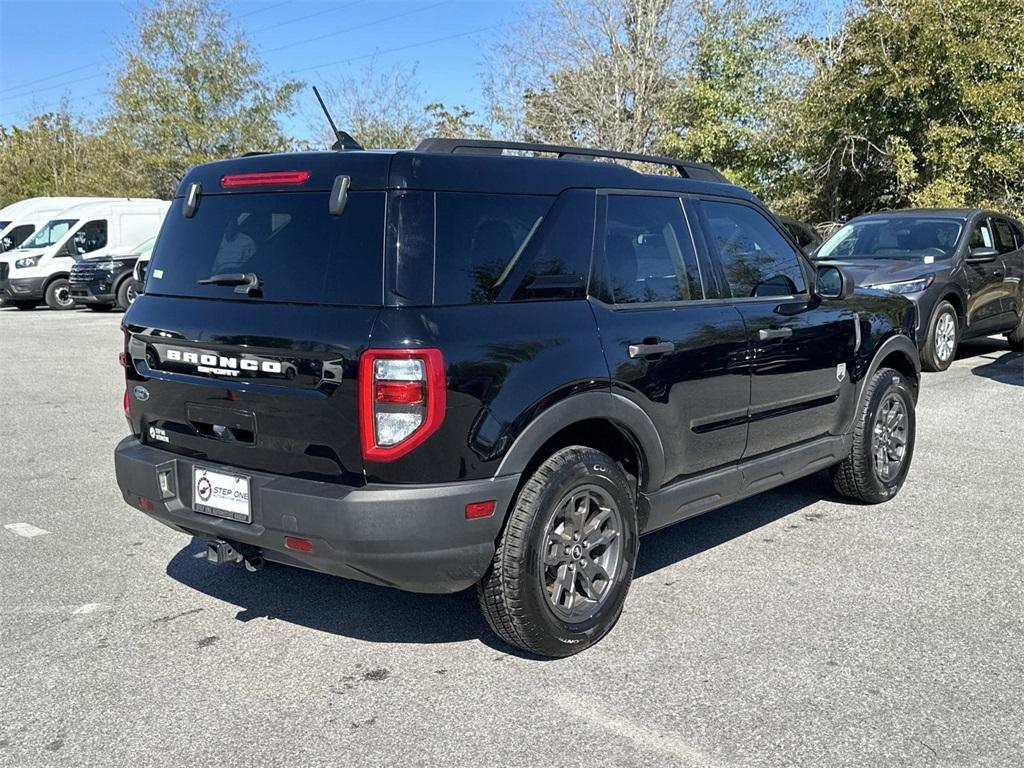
767,334
646,350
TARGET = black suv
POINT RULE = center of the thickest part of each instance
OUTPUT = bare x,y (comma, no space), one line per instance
444,367
964,269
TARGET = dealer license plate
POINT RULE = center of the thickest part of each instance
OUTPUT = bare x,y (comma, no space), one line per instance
215,493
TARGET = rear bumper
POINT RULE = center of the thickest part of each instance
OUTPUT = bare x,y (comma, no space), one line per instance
23,289
415,538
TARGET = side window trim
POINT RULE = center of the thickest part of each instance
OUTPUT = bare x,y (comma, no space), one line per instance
599,257
805,267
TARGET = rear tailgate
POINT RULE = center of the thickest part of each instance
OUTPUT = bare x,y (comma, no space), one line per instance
258,378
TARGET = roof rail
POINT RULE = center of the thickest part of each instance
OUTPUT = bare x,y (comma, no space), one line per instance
687,168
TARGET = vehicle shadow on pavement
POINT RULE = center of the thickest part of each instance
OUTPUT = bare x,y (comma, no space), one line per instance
1007,368
378,614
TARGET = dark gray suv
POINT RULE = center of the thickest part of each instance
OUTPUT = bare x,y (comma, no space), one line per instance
964,268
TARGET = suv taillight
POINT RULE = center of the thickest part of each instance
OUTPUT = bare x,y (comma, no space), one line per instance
401,400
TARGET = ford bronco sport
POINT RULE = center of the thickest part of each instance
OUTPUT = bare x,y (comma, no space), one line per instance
453,366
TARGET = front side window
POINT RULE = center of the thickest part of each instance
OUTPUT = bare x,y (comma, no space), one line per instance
755,256
982,236
648,251
1004,236
16,237
91,237
50,234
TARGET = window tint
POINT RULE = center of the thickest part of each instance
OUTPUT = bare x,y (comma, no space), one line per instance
649,255
981,235
90,237
16,237
294,246
755,256
478,239
1004,236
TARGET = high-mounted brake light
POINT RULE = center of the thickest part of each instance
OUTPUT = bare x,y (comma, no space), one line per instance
267,179
401,400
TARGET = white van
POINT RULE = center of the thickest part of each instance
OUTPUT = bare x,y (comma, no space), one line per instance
39,269
21,219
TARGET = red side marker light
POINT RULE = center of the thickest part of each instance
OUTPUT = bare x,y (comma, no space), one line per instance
478,509
145,503
126,404
268,179
302,545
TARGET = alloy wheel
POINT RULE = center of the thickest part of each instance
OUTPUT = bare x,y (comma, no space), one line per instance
889,438
582,553
945,336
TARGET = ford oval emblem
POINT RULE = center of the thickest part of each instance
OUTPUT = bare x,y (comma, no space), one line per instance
141,394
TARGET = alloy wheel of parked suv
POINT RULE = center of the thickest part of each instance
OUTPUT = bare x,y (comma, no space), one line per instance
565,562
943,338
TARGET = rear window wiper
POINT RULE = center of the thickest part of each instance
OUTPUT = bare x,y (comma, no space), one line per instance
244,282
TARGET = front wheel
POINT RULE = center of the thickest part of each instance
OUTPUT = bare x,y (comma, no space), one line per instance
563,566
125,294
58,294
943,338
883,441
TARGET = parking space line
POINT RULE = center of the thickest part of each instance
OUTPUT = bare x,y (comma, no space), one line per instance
89,608
26,530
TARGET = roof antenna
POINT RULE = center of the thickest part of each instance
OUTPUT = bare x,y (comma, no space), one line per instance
345,141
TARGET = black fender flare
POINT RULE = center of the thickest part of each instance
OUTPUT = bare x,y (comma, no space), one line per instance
628,417
896,343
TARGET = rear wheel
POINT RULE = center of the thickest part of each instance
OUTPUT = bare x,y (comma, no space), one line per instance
58,294
883,441
25,305
565,562
943,338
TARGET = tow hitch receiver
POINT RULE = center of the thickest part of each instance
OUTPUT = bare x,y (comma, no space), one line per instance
219,552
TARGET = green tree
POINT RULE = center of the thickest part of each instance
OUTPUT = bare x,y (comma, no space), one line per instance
916,102
191,89
731,105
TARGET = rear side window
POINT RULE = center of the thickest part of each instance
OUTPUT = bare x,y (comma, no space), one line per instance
649,254
478,239
297,249
757,259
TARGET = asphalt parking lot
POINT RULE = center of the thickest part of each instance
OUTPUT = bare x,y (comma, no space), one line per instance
791,629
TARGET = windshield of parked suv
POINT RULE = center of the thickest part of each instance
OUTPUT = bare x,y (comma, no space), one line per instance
898,237
50,234
297,250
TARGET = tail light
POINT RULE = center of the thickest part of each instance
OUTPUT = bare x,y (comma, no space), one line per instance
401,400
266,179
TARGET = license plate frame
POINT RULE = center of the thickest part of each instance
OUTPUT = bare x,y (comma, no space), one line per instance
226,495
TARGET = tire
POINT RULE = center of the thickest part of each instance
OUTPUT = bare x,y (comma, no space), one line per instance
25,305
515,596
58,295
1016,337
125,294
100,307
943,338
858,476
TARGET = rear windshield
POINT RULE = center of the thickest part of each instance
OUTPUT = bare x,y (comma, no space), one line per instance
297,249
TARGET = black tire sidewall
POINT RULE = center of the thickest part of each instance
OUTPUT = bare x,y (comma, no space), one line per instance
50,295
894,382
931,354
597,469
122,294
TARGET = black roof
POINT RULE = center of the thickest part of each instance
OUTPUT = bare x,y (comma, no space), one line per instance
439,168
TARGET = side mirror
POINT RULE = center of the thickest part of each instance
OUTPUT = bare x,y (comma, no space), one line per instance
982,255
833,284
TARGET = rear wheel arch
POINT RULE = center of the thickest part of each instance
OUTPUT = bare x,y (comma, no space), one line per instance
609,423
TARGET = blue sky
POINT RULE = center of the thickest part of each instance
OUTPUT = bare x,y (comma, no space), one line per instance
49,50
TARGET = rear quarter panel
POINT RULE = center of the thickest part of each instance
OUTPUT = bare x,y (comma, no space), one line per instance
505,364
